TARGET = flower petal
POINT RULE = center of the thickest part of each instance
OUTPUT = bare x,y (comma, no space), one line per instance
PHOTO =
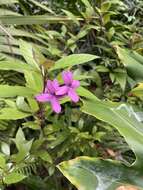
75,84
62,90
55,84
55,105
67,77
73,95
49,87
43,97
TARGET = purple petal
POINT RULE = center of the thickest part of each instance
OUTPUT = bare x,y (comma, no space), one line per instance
62,90
67,77
55,105
55,84
75,84
49,87
73,95
43,97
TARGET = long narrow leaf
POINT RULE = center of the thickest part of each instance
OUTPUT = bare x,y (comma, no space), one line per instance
28,20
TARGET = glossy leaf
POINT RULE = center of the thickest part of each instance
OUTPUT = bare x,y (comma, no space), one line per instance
123,118
88,173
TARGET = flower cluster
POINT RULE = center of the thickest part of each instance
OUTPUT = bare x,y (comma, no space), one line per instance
53,92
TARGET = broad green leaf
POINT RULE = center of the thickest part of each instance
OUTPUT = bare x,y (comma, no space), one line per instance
22,145
121,77
22,105
124,119
12,114
88,173
89,8
105,6
44,156
34,80
138,91
32,125
13,178
20,138
36,19
132,61
72,60
12,91
26,50
15,66
86,93
33,104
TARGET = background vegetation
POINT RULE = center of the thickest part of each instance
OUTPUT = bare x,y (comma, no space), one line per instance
101,41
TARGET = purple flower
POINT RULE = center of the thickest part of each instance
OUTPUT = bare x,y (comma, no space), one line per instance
50,95
70,86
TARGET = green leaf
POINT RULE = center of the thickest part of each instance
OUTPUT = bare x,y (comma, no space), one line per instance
44,156
26,50
105,6
36,19
2,161
12,114
13,178
31,125
5,148
71,60
3,2
12,91
22,145
15,66
34,80
124,119
20,137
121,77
132,61
94,174
20,33
138,91
41,6
33,104
72,16
8,12
86,93
22,104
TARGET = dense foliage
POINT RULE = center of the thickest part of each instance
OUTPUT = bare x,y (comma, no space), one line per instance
71,91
